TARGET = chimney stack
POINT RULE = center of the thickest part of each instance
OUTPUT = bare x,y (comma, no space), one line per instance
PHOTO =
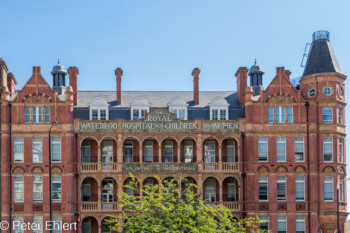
73,82
195,74
119,73
11,83
287,73
3,73
241,75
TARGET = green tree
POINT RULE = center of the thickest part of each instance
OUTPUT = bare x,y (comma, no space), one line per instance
164,208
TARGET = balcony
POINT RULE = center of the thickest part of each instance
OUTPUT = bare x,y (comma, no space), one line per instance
98,167
99,207
221,167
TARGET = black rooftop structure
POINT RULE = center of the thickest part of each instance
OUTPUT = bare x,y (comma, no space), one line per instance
321,58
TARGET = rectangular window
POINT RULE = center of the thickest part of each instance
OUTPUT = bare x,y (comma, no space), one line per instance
328,149
188,147
37,150
341,190
103,115
230,150
86,152
327,115
26,114
281,149
215,114
328,188
290,114
19,189
168,151
56,224
271,114
56,150
17,228
264,223
341,150
263,188
300,224
299,188
94,114
18,150
38,220
143,113
135,114
182,114
280,114
128,151
37,188
262,148
56,188
209,151
340,116
299,149
222,114
149,151
47,114
282,224
36,114
281,188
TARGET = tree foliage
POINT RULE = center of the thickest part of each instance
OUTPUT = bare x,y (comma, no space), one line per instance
164,208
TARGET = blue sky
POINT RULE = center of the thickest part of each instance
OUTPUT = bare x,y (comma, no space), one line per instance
158,43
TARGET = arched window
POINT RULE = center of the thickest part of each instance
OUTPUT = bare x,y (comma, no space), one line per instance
218,109
98,109
139,108
178,106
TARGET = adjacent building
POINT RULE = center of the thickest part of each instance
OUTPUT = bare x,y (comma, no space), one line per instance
276,152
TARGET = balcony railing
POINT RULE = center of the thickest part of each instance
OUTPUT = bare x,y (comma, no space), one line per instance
93,167
99,207
220,167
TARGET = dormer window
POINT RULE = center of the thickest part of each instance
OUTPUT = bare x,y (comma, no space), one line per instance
218,109
98,109
139,108
178,106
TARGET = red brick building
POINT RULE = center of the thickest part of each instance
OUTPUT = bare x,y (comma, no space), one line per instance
276,152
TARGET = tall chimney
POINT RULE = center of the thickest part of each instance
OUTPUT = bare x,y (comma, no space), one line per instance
241,75
3,73
195,74
73,82
119,74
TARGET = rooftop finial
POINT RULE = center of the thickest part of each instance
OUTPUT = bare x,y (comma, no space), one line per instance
58,61
255,62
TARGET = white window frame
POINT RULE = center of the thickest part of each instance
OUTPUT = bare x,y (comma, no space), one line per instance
168,144
340,116
260,141
327,143
282,141
282,180
296,142
38,220
265,219
47,113
271,115
57,180
18,184
141,110
18,157
264,180
341,150
149,147
98,109
218,109
341,189
282,220
27,114
176,110
37,114
280,114
301,220
327,114
209,154
86,151
54,142
289,117
328,180
39,181
128,144
37,144
59,220
18,228
300,180
188,147
231,144
325,92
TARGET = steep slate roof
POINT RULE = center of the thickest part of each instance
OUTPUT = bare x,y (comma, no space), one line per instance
156,98
321,58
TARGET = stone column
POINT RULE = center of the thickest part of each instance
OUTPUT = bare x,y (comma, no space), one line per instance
220,191
99,194
159,152
99,154
178,152
140,151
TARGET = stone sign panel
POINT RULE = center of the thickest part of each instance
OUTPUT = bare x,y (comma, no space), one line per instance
96,126
161,167
219,126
